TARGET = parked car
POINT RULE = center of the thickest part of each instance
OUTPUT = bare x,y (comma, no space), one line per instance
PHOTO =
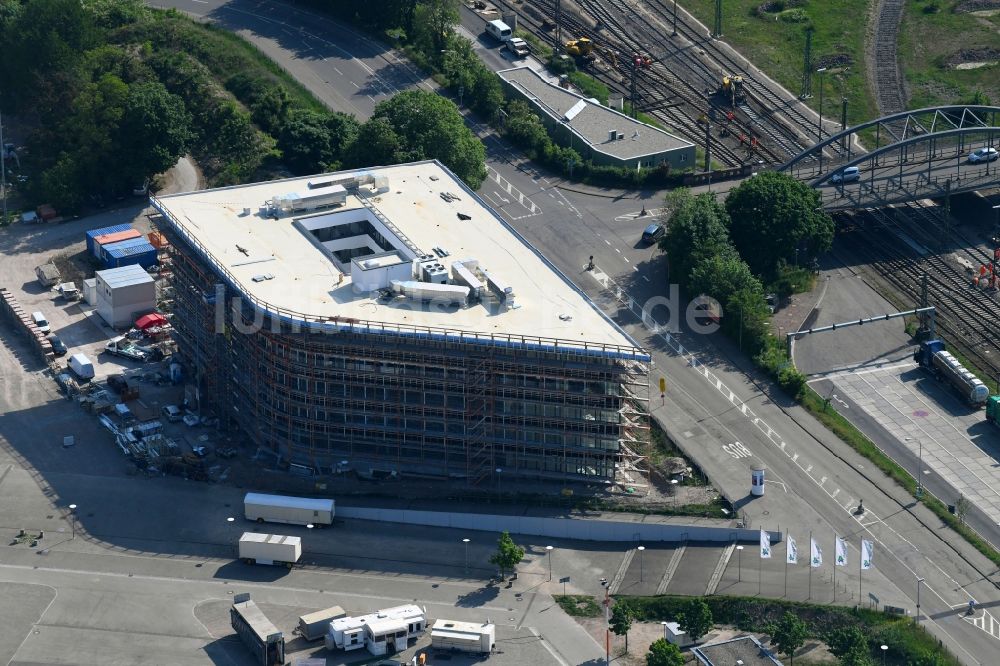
58,347
653,233
983,155
848,175
172,413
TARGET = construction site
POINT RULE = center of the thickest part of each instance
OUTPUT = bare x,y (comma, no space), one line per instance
391,323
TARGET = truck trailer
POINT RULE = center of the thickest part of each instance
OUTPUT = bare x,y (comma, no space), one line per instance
290,510
260,636
933,356
464,636
270,549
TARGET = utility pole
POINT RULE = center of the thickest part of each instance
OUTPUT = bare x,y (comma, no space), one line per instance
635,68
675,18
843,120
3,172
717,29
819,125
558,18
708,146
807,66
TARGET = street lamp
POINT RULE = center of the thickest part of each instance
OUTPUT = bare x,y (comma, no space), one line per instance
920,470
884,648
72,511
919,581
819,128
236,547
466,542
641,548
739,563
499,470
548,550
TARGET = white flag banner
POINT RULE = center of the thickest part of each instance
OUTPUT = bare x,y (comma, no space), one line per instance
765,545
867,550
841,552
815,555
792,552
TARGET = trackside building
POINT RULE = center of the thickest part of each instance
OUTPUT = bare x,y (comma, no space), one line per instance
390,319
597,132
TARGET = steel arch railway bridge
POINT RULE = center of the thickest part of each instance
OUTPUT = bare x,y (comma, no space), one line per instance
918,154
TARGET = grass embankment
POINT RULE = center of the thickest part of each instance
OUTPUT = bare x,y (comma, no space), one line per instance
774,41
934,38
578,605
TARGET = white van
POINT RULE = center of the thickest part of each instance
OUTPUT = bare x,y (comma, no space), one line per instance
499,30
41,322
81,366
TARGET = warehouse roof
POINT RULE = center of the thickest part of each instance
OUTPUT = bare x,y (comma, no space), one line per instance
590,121
299,264
125,276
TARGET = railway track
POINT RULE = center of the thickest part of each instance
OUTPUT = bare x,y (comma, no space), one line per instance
965,314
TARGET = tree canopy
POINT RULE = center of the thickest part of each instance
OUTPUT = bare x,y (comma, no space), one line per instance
790,634
696,619
664,653
771,216
508,554
622,617
696,229
418,125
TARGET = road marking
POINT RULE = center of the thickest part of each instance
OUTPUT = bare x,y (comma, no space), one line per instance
737,450
338,71
651,212
986,622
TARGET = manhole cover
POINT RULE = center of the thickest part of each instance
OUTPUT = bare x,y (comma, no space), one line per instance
766,513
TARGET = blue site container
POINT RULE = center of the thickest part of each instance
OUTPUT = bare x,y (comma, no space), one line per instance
127,253
94,233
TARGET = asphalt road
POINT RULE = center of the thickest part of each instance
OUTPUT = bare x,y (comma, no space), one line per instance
712,402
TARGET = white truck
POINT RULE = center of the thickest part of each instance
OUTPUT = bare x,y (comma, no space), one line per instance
125,348
270,549
290,510
518,47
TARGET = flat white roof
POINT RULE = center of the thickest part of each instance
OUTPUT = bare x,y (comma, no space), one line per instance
125,276
305,284
284,501
255,537
460,629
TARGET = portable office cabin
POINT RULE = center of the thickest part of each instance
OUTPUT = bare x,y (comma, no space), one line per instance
133,251
464,636
94,233
123,294
384,635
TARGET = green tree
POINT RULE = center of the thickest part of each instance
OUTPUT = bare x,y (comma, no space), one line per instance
696,228
696,619
857,656
790,635
722,275
771,216
155,130
843,640
435,21
622,617
375,143
312,141
430,127
663,653
508,554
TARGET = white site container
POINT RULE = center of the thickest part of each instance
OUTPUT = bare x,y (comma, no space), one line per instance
270,549
290,510
464,636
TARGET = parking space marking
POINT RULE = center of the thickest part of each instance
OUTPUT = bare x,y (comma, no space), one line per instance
986,622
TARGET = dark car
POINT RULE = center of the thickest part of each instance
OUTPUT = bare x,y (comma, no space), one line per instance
58,347
653,233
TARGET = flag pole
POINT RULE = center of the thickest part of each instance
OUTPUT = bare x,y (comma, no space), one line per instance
810,566
861,559
834,567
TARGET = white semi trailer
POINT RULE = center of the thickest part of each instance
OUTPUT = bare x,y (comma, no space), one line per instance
290,510
270,549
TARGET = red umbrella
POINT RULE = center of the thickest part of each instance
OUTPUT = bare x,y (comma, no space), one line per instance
150,320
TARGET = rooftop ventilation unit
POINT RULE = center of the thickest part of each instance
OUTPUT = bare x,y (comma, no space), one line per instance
612,134
462,274
293,202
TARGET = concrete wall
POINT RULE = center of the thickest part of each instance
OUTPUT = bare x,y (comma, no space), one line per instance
563,528
118,307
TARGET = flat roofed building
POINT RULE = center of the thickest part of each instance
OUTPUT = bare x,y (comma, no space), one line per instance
744,650
392,319
597,132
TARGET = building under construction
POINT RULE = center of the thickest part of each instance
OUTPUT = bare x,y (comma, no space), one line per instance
389,319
